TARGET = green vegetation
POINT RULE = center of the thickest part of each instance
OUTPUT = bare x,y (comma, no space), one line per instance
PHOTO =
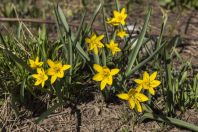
114,69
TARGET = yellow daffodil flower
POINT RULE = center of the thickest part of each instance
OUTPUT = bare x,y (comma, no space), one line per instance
104,75
122,34
113,47
56,70
134,97
119,18
40,77
35,64
148,82
94,42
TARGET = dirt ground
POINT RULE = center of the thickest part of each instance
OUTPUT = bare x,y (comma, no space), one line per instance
94,116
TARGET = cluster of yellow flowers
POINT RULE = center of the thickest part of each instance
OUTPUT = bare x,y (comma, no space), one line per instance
94,41
134,97
105,75
55,70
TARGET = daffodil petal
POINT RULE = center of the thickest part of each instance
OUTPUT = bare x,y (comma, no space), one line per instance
39,70
31,61
60,74
116,13
98,77
100,45
51,71
117,49
98,68
131,92
110,80
153,76
138,88
123,96
141,97
37,59
93,36
138,81
146,76
37,82
123,11
114,71
145,85
65,67
151,91
87,40
99,38
131,103
155,83
40,64
103,84
35,75
95,49
138,106
42,84
50,63
53,79
45,77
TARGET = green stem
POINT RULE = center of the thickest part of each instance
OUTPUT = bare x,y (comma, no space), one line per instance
96,59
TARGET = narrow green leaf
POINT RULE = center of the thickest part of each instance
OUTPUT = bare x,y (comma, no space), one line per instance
80,28
146,60
117,3
19,28
61,32
94,17
22,90
82,52
96,59
63,19
105,25
135,51
183,78
170,120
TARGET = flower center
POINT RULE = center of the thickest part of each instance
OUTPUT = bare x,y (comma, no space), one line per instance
42,77
120,18
57,69
147,83
106,73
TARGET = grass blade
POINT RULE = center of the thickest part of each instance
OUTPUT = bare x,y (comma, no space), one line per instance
146,60
94,17
82,52
134,53
170,120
